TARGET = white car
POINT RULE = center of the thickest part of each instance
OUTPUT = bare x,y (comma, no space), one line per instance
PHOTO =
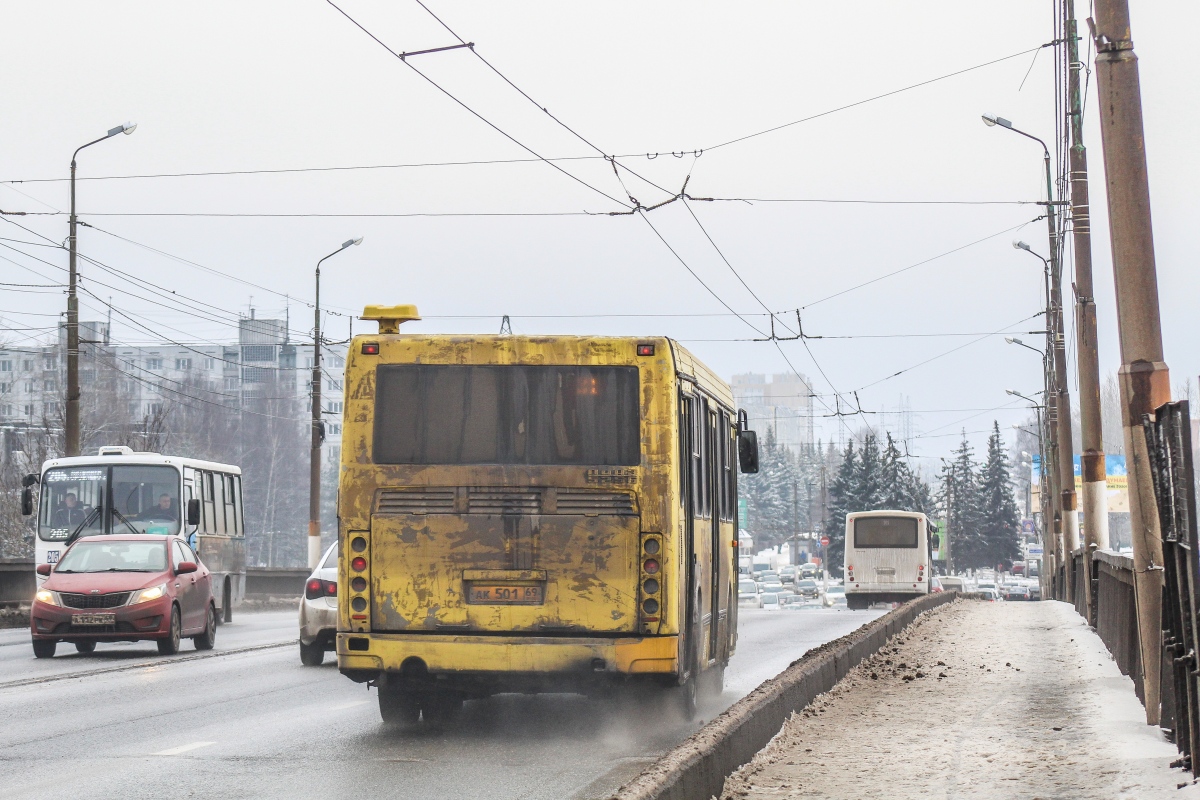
769,601
748,593
318,610
834,596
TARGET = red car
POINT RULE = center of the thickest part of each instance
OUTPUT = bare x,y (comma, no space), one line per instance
124,589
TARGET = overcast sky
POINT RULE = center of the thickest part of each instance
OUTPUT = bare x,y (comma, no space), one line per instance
226,86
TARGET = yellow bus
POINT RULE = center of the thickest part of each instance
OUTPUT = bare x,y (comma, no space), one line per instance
534,513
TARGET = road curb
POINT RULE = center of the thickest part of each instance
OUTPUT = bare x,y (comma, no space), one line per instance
698,767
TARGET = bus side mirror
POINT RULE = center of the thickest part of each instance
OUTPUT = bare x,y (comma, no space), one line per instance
936,541
30,480
27,501
193,514
748,452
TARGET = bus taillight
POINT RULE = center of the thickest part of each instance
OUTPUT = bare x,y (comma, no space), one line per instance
651,585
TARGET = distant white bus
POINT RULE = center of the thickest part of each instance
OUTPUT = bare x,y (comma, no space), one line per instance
122,491
889,556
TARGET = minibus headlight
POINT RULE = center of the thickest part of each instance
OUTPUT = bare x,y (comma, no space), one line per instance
46,596
146,595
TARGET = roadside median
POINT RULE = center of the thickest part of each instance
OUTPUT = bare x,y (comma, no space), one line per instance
698,767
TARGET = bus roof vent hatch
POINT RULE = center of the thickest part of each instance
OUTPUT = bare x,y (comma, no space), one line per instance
115,450
390,318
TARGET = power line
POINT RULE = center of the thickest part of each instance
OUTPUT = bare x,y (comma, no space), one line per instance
877,97
473,112
539,106
948,352
918,264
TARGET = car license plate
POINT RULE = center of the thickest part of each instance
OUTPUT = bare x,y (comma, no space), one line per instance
94,619
507,595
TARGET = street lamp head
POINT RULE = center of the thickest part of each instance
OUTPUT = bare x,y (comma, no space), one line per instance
1013,392
351,241
992,120
127,128
1019,245
1013,340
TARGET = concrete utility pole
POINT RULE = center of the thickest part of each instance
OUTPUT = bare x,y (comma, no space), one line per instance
1069,515
71,428
318,427
795,523
1091,460
1144,378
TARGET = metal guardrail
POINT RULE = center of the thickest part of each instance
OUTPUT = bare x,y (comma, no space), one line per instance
1169,453
1116,610
17,582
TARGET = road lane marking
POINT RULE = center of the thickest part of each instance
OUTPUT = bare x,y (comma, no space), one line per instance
144,664
344,706
183,748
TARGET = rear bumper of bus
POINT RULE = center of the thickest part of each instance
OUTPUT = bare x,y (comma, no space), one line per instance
504,663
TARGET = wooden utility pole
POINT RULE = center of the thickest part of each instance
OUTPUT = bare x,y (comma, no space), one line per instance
1091,459
1144,378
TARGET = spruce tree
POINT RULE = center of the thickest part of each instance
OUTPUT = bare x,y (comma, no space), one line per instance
960,498
999,518
841,500
868,487
895,480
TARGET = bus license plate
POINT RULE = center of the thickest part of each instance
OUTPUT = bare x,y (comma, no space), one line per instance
508,595
94,619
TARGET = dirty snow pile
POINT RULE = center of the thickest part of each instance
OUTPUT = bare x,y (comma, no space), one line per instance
974,700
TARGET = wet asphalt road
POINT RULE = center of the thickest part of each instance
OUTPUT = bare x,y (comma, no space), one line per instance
249,721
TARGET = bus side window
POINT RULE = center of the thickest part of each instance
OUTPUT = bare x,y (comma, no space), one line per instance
723,464
208,515
231,526
237,505
218,486
730,468
697,464
707,457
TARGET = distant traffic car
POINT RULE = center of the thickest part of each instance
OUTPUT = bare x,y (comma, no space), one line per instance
793,602
953,583
773,586
124,589
318,610
1016,593
1035,592
990,595
809,570
748,594
787,575
769,601
935,585
835,596
808,588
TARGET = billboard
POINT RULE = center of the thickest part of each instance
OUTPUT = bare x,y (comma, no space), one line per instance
1116,479
942,550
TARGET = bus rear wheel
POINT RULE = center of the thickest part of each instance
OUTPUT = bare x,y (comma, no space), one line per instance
397,707
439,708
857,602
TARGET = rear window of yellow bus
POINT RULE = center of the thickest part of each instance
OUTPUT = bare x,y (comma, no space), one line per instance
513,414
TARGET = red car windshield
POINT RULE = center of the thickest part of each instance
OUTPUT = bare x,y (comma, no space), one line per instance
119,556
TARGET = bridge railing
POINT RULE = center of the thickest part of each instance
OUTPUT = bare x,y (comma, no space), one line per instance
1116,609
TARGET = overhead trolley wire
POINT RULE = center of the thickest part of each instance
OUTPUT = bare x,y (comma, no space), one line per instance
473,112
877,97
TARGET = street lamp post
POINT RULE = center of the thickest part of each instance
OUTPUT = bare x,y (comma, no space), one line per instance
1050,546
318,427
1066,462
71,418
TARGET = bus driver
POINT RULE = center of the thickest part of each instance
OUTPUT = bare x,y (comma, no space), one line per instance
165,510
70,513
